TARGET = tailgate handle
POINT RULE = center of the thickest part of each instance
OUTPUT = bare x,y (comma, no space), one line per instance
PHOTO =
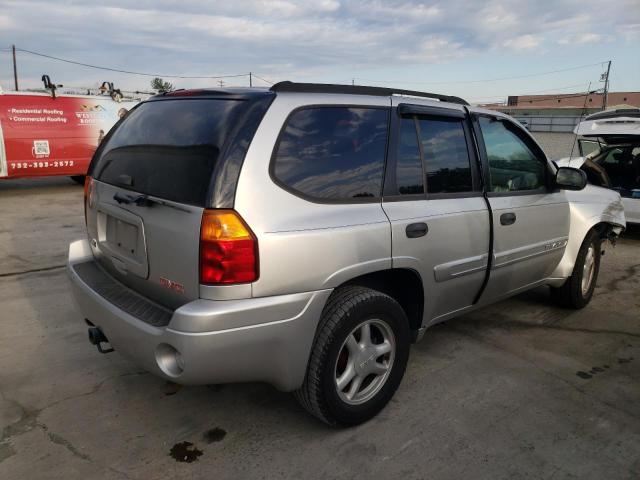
415,230
508,218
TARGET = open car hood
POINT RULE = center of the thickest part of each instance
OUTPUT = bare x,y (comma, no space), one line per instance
612,129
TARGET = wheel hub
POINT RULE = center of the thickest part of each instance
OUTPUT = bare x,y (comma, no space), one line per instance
369,351
588,270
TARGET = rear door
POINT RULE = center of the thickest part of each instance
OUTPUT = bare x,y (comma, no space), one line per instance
530,217
440,222
152,177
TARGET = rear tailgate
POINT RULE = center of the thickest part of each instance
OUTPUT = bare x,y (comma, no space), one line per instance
151,183
152,249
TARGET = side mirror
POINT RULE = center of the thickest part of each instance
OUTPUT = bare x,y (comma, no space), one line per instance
569,178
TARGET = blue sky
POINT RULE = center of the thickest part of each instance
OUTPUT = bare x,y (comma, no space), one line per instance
450,46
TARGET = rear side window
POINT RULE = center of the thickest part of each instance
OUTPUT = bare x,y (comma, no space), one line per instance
513,166
446,156
438,146
333,153
168,148
409,175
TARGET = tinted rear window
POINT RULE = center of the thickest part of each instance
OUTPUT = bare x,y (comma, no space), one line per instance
333,153
169,148
446,156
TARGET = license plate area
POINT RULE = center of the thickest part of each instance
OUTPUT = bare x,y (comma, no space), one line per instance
121,238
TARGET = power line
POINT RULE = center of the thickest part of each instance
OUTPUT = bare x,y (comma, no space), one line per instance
552,90
485,80
264,80
126,71
548,98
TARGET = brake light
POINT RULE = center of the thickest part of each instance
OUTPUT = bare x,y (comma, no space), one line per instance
228,249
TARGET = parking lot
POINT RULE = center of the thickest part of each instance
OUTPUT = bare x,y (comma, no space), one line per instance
521,389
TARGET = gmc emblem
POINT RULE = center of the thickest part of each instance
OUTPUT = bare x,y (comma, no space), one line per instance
171,285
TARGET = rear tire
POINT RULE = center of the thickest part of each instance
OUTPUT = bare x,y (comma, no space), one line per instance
78,179
578,289
358,358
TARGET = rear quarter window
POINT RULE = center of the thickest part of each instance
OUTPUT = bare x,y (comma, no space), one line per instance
333,153
168,148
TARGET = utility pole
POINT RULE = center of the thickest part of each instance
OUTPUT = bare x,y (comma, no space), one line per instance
250,80
15,67
606,87
221,82
353,81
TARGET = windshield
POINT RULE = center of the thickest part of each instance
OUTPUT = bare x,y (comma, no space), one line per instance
615,166
168,148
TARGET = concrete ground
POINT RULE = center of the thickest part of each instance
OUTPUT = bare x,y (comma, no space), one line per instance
521,389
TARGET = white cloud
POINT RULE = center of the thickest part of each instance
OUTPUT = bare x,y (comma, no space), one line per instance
522,42
305,37
583,38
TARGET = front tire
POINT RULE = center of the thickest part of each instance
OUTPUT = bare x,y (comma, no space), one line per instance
578,289
358,358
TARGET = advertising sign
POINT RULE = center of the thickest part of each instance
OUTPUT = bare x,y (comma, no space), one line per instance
41,135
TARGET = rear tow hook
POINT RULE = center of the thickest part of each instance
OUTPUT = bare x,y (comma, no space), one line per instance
97,338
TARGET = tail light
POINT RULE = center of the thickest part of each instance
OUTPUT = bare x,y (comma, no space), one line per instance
228,249
88,195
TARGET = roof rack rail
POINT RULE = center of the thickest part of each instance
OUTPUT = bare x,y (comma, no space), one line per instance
288,86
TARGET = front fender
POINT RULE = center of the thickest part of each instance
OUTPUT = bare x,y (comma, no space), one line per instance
588,208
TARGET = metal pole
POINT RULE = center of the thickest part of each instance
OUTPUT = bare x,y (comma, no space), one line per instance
250,80
606,87
15,68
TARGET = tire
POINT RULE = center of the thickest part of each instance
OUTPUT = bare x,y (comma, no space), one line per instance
78,179
341,351
575,293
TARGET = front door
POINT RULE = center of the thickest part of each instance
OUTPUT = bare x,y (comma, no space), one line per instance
440,222
530,216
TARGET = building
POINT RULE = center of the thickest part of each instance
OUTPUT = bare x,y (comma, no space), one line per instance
561,112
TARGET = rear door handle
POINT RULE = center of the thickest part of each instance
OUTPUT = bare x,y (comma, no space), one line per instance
508,218
415,230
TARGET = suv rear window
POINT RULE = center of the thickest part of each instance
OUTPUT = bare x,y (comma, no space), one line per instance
333,153
168,148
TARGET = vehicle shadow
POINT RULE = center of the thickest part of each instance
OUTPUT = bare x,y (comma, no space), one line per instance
38,183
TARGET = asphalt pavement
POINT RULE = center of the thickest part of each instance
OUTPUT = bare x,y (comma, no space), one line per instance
521,389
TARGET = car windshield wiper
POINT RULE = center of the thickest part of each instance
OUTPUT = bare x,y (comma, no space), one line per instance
144,201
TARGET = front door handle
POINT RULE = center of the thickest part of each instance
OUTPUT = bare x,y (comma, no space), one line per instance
508,218
415,230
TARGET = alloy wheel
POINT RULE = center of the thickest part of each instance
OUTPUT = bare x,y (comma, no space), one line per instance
365,361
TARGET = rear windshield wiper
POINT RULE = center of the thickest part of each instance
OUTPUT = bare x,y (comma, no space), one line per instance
144,201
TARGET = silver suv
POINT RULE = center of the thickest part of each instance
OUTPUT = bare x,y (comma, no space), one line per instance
306,235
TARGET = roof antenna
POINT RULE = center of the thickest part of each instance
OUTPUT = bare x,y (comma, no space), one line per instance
584,108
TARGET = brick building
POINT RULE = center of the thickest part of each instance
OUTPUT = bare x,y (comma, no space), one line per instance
561,112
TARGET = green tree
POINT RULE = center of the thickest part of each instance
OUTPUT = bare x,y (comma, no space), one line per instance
160,85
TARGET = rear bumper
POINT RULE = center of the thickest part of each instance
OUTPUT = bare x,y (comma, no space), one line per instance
258,339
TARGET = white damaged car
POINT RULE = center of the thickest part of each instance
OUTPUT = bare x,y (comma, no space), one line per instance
610,155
